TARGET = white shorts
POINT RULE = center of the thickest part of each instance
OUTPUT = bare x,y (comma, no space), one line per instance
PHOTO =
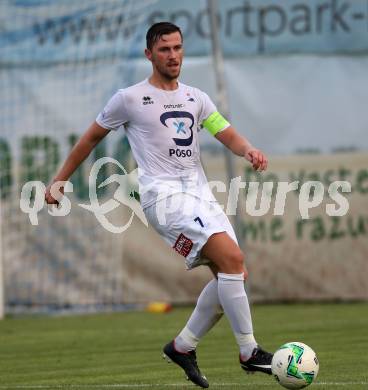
186,223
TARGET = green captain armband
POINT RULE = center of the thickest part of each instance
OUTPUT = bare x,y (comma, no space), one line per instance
215,123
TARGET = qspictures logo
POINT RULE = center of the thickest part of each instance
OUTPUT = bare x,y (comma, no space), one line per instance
126,186
311,194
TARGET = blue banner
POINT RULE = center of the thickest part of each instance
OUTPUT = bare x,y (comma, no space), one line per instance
47,31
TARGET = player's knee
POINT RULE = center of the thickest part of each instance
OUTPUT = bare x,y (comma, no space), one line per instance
236,258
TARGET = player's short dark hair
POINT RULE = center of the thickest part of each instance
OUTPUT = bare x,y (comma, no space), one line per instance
157,30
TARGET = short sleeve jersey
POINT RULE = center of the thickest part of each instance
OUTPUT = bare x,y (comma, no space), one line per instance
162,128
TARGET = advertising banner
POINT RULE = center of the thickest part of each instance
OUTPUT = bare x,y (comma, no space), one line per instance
58,31
296,252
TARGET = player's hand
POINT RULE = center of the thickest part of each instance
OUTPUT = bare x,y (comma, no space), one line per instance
257,159
49,198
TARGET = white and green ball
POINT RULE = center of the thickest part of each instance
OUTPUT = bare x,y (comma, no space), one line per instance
295,365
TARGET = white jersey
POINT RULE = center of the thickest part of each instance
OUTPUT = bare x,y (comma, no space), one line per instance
162,128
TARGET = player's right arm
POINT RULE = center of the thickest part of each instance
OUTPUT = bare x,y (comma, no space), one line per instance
81,150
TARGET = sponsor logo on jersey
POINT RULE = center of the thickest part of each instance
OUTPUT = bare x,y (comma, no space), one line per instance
190,99
147,100
183,245
179,125
166,106
180,152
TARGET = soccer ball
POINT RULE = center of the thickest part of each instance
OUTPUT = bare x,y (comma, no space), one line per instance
295,365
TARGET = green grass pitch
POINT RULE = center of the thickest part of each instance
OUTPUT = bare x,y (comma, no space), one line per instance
123,350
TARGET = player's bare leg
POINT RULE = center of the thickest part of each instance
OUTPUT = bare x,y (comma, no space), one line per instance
229,261
225,291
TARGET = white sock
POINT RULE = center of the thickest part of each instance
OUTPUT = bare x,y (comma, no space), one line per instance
205,315
235,303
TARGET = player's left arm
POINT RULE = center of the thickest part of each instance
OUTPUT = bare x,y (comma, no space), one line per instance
240,146
219,127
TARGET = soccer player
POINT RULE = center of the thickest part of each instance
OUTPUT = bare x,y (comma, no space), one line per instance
162,118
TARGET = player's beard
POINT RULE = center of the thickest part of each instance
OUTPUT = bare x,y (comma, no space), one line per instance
166,74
